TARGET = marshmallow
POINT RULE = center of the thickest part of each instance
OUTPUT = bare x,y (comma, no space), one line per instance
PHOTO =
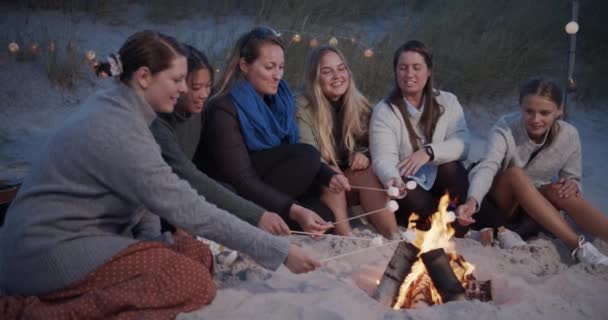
450,216
229,259
376,241
409,235
392,205
411,185
393,192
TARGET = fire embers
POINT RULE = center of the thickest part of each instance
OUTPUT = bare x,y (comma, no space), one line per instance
429,271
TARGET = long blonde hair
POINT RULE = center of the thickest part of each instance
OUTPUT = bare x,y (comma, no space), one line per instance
355,110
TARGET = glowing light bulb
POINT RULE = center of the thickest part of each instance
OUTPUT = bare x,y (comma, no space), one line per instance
13,47
368,53
333,41
90,55
314,43
571,27
296,38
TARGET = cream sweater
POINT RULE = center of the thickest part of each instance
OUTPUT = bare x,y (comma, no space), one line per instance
390,143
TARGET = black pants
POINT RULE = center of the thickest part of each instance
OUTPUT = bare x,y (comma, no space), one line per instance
293,169
451,178
489,216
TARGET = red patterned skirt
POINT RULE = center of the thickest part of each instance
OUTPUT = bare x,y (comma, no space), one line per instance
147,280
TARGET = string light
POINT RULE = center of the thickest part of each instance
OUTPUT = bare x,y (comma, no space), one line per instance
34,47
13,47
296,37
333,42
368,52
90,55
314,43
571,27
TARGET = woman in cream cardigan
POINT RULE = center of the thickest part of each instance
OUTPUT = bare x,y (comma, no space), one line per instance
419,133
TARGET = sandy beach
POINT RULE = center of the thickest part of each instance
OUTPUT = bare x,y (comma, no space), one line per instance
540,281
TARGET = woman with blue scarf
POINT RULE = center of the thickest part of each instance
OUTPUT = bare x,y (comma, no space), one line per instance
250,137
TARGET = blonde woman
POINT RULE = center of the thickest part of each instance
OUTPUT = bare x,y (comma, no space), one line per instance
333,117
250,137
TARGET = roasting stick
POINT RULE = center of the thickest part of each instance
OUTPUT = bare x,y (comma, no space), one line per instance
359,251
391,191
391,205
368,188
328,235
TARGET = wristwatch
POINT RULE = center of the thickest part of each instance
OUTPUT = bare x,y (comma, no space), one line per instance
430,152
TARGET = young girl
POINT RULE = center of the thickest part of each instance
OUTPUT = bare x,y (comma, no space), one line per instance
525,151
333,117
178,134
76,240
250,137
419,133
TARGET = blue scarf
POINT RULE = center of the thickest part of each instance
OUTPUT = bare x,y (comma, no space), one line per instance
264,126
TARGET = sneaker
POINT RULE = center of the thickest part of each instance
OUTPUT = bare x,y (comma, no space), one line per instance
485,236
587,253
509,239
473,234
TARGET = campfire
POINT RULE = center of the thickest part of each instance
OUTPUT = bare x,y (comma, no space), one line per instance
428,270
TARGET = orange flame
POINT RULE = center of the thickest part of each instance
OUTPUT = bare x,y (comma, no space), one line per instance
417,284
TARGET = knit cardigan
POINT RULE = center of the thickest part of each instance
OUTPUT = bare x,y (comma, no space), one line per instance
80,203
510,146
390,143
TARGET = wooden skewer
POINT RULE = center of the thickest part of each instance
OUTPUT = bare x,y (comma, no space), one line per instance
328,235
368,188
358,216
359,251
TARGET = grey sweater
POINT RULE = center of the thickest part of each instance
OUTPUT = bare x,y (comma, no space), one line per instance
81,201
186,128
166,129
509,146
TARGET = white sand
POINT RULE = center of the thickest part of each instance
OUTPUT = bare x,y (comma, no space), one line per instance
537,282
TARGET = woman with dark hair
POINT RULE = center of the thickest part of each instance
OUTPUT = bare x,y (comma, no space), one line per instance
178,134
78,241
525,151
333,116
419,133
250,137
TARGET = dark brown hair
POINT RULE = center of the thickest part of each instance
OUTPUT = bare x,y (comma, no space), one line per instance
247,47
547,89
432,109
145,48
197,60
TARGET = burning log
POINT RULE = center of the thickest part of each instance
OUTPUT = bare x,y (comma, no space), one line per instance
479,290
397,269
437,264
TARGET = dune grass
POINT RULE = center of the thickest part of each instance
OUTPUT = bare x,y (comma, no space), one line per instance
483,49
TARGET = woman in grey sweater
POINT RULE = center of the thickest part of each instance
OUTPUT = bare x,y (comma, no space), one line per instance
72,241
525,151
